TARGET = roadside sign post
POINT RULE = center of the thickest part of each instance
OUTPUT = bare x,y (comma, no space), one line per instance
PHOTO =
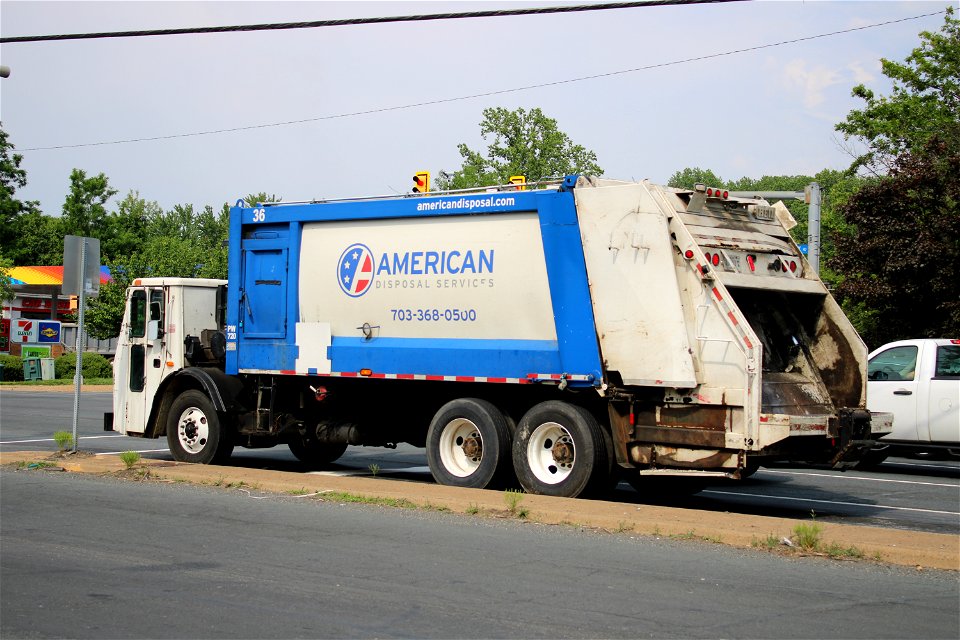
81,276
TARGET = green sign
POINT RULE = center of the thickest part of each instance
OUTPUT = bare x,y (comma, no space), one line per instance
34,352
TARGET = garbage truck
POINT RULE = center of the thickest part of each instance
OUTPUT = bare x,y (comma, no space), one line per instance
565,336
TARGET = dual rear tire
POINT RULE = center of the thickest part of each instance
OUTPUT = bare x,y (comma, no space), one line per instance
468,444
557,449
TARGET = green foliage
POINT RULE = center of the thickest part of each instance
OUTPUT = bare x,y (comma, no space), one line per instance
92,365
84,210
124,231
12,177
513,498
178,243
261,198
687,178
129,458
6,289
900,251
807,536
925,99
33,246
12,368
64,439
522,142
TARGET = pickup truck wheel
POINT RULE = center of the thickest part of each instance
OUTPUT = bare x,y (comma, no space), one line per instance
468,444
560,450
872,459
316,453
194,431
668,487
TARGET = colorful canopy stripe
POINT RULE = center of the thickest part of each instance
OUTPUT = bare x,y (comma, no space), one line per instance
46,275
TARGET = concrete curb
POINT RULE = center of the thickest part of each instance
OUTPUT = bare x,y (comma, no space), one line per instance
895,546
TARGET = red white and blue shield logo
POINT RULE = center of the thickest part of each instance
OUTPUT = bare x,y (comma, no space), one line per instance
355,270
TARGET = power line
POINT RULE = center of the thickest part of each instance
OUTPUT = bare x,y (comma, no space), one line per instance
486,94
358,21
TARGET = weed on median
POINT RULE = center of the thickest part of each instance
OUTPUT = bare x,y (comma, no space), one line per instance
807,539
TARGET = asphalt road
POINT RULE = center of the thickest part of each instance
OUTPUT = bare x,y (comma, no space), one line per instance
89,557
912,494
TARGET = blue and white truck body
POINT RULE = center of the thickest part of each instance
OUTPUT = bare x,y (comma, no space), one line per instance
560,335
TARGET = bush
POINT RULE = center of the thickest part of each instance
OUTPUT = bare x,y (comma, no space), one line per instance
92,365
12,368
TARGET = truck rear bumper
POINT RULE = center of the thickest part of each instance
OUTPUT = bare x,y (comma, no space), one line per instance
856,436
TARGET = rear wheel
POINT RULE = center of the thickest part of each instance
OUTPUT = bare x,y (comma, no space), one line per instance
560,450
315,453
194,430
468,444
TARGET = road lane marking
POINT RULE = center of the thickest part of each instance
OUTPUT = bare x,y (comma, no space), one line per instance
835,502
365,472
116,453
119,435
848,477
922,466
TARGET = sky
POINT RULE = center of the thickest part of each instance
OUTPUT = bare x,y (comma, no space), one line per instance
769,111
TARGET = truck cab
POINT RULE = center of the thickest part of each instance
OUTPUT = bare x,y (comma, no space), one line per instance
164,321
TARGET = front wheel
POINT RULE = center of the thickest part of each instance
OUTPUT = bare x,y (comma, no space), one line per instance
194,430
468,444
560,450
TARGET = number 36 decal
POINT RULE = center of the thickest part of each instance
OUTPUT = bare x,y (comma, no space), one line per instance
259,215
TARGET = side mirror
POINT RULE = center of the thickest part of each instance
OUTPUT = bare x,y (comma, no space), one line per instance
153,330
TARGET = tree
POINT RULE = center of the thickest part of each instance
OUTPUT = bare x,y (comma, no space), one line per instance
124,232
261,198
6,289
687,178
84,210
12,177
522,142
925,99
900,256
39,240
178,243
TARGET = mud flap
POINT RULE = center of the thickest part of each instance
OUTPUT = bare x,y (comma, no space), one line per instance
855,438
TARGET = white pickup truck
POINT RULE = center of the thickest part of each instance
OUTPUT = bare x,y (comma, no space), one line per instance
919,382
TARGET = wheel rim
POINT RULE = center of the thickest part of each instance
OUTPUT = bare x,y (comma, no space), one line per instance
192,430
551,453
461,447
